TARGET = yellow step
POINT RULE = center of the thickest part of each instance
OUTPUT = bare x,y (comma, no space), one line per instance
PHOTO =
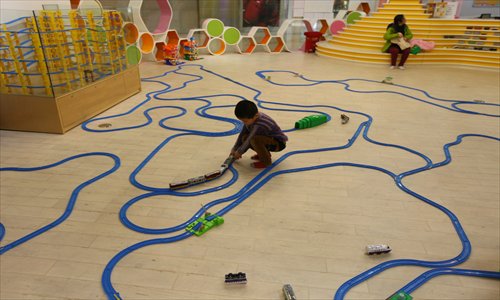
377,45
370,25
434,37
423,32
464,53
391,15
426,58
409,62
440,35
403,6
431,22
404,2
404,11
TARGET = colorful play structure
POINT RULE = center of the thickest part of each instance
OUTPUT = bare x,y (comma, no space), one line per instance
149,43
59,69
51,53
472,42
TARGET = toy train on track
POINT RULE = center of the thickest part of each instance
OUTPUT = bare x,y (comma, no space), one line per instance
377,249
207,177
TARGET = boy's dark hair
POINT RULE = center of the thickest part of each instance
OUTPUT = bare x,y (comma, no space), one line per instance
245,109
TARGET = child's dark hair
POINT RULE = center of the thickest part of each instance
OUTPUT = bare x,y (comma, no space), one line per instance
245,109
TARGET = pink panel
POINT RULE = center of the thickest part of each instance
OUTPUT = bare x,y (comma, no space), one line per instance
337,26
165,16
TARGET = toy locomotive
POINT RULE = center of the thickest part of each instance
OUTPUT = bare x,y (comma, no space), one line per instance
377,249
400,296
236,278
207,177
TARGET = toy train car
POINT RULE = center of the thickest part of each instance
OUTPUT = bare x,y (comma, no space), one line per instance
225,165
200,179
237,278
197,180
377,249
213,175
179,185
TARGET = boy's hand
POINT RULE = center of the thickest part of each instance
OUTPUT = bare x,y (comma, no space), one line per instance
400,34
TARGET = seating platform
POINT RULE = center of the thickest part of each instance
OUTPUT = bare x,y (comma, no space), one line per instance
470,42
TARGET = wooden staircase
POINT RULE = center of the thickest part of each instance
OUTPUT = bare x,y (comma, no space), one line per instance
471,42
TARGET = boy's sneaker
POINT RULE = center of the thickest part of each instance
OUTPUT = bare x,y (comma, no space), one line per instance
258,165
392,67
401,67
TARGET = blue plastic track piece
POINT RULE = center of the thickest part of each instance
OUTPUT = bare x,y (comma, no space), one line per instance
72,199
111,293
466,246
424,277
2,231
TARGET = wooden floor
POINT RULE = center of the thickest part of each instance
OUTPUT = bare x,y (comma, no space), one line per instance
308,229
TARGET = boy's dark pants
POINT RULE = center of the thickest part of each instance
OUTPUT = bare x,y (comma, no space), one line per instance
262,145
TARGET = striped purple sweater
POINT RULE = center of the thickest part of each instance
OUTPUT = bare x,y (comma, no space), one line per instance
264,125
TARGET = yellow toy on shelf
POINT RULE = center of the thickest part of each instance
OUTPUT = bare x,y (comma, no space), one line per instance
58,69
52,54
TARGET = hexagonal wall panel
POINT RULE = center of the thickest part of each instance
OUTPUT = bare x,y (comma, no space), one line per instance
287,23
322,24
159,51
276,44
261,35
201,36
246,45
172,37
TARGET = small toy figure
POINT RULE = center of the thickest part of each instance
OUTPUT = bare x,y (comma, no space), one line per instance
171,54
289,293
190,49
377,249
344,118
239,278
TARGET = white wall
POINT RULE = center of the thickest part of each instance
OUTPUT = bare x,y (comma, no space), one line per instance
322,9
468,11
312,9
473,12
13,9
